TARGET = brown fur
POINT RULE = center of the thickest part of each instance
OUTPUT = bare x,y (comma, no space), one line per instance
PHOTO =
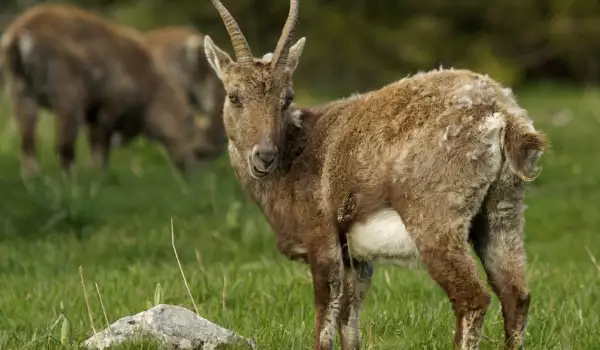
446,150
88,70
180,50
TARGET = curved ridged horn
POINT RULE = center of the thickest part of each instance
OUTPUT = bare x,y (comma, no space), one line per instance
243,54
282,49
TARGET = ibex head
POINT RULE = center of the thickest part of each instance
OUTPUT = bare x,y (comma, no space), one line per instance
259,91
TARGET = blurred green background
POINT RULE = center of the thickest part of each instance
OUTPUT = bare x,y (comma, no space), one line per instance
361,44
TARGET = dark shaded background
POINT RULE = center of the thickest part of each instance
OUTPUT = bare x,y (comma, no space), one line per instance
354,45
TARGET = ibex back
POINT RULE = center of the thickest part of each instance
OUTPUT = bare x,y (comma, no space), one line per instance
88,70
410,173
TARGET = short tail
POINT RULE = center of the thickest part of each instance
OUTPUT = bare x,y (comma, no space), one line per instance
523,145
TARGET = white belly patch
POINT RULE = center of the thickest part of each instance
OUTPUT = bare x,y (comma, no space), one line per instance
383,237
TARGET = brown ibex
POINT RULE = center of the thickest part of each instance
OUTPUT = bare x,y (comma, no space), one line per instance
88,70
408,173
180,50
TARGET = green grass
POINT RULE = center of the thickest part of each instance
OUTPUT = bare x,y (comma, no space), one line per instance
117,226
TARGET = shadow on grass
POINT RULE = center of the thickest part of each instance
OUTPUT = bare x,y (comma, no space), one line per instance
48,202
51,203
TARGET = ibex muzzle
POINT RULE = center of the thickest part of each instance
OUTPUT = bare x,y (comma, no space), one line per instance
263,158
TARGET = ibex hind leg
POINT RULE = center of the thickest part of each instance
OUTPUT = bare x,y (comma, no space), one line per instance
67,127
438,215
444,250
497,236
25,110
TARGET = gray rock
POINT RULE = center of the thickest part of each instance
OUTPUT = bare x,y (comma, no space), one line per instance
169,325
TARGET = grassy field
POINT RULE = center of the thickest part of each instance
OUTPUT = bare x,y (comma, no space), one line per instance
117,227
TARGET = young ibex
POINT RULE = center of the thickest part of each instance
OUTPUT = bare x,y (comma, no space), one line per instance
180,50
89,70
409,173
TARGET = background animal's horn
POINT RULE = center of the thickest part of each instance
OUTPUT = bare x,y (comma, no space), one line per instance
242,51
282,49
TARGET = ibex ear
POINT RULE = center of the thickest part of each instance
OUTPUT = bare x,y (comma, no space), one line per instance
295,53
218,59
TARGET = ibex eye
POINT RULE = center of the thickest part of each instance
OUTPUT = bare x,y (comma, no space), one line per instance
234,99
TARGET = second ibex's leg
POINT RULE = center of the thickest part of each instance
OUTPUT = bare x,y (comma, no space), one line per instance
325,259
357,280
67,126
498,240
100,141
25,112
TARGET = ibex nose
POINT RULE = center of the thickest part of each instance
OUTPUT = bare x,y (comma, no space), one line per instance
266,155
263,156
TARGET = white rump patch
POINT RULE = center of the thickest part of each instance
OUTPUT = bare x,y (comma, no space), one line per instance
205,92
493,122
383,237
5,40
192,44
26,44
494,126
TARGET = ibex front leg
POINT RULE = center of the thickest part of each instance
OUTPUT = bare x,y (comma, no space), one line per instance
99,134
325,258
357,280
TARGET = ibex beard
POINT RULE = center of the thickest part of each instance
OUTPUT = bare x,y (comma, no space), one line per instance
410,173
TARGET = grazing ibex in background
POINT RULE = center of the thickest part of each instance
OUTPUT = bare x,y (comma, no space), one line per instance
409,173
88,70
180,50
